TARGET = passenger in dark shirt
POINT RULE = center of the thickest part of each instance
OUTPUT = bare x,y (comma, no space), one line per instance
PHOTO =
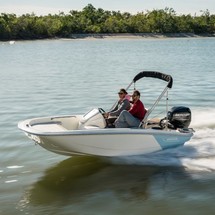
122,104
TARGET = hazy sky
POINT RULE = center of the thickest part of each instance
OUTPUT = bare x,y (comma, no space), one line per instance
41,7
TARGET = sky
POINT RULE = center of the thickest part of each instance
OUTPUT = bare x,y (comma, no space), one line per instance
43,7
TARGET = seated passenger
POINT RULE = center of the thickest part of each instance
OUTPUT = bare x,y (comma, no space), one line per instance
134,115
122,104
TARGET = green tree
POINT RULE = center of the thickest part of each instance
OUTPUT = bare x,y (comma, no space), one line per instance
92,20
162,21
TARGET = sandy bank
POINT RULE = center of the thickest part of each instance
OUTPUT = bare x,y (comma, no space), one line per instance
139,36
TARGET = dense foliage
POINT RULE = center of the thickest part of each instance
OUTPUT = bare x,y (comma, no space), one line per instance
92,20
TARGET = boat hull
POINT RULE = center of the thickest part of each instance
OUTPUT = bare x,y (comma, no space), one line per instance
111,143
66,135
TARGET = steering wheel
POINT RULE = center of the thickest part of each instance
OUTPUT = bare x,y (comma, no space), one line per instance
101,111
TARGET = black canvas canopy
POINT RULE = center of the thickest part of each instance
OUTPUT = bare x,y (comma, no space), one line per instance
152,74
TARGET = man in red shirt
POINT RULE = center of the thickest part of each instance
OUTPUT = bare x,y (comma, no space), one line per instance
134,115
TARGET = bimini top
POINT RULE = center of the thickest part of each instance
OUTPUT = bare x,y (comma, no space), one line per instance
159,75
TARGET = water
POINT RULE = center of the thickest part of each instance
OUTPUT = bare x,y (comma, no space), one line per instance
57,77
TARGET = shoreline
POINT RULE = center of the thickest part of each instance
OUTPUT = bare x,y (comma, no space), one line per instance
138,36
120,36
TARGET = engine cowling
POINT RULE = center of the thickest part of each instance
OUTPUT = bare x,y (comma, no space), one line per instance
179,117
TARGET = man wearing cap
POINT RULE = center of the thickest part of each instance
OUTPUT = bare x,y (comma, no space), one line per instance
134,115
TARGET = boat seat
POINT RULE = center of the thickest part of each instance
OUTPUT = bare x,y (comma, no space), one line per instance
49,127
153,121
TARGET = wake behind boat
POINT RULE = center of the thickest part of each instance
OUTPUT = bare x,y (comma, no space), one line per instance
88,134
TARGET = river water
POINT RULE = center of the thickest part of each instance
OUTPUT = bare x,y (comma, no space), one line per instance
60,77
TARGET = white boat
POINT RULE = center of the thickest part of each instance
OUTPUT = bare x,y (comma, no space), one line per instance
88,134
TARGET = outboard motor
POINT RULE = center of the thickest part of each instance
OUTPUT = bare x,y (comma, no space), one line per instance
179,117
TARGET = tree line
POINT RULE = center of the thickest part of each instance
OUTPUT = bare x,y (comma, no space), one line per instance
97,21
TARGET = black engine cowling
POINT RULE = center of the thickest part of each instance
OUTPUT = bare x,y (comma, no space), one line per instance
179,117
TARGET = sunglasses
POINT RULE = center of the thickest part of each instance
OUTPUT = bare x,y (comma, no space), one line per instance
134,95
120,93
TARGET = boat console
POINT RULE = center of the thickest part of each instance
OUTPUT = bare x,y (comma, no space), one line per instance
93,119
